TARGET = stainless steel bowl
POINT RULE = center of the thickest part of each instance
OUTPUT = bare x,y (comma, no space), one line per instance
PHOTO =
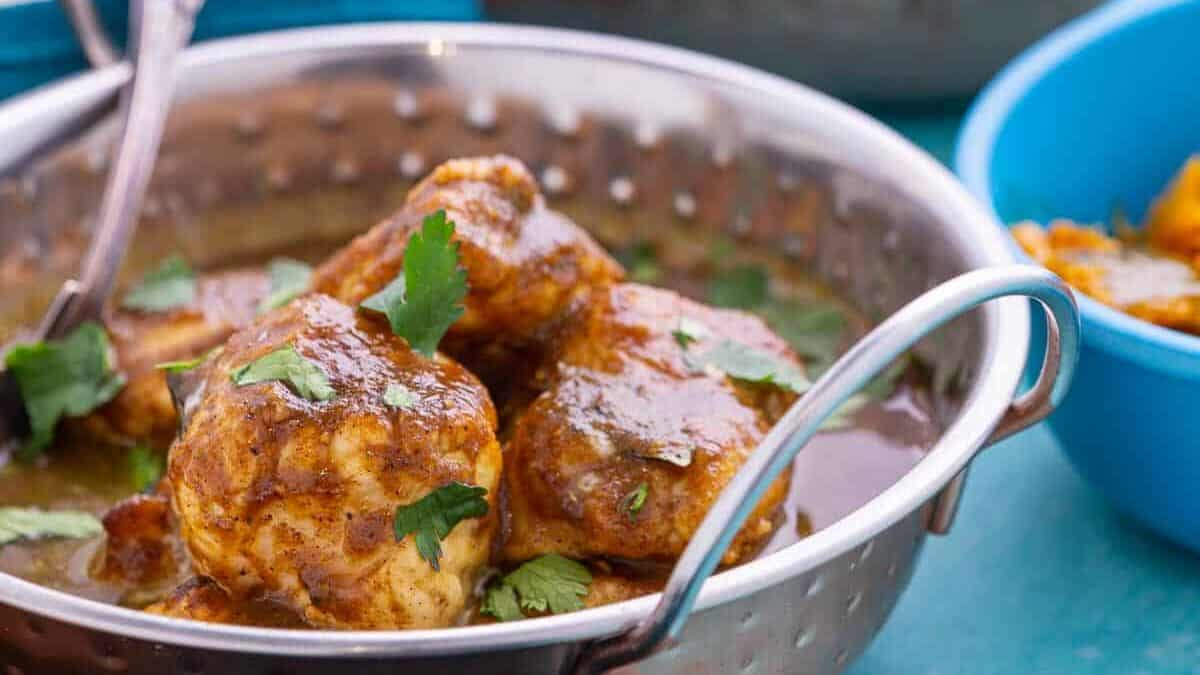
310,135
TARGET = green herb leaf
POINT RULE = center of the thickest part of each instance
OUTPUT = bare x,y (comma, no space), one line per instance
180,366
289,278
286,365
433,516
171,284
877,389
425,299
641,260
816,330
634,501
70,377
689,331
30,524
399,396
748,364
722,249
501,602
550,582
741,287
671,454
145,468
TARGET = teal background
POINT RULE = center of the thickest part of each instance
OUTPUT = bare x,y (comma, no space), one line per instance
1038,576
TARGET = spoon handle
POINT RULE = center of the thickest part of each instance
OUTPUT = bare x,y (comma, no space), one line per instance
160,29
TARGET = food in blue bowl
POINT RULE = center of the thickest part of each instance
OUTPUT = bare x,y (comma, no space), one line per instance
1092,125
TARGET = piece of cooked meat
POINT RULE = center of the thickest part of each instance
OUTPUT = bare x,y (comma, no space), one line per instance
141,547
198,599
621,392
201,599
525,263
142,411
293,499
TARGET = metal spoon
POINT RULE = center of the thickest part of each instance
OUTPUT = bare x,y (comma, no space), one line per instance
160,29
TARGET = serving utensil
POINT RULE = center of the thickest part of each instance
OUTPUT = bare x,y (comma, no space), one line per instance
160,29
307,137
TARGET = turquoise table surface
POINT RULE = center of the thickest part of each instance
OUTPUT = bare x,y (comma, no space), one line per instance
1039,575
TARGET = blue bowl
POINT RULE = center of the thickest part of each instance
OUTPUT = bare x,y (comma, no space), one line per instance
1099,115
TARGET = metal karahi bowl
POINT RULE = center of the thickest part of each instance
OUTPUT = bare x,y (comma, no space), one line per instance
312,135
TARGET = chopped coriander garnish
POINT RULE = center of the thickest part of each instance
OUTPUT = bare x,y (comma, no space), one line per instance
171,284
548,583
743,362
30,524
671,454
179,366
425,299
68,377
433,516
501,602
814,329
635,500
145,467
286,365
689,331
289,278
641,260
399,396
741,287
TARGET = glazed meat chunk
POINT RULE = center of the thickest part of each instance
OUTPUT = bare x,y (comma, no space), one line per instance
287,488
524,262
632,440
142,411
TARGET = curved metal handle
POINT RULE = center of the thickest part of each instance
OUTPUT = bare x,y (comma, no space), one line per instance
853,370
161,27
97,47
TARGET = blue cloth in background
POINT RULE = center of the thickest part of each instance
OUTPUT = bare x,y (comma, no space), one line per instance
37,44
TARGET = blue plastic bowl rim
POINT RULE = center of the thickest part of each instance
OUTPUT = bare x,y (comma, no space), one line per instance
1104,327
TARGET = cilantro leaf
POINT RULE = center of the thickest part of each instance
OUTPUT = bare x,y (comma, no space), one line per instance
743,362
815,330
425,299
641,260
68,377
742,287
635,500
145,467
689,331
289,278
877,389
433,516
671,454
284,364
501,602
171,284
548,583
179,366
23,523
399,396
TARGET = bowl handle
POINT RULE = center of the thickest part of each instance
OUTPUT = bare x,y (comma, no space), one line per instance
97,46
850,373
